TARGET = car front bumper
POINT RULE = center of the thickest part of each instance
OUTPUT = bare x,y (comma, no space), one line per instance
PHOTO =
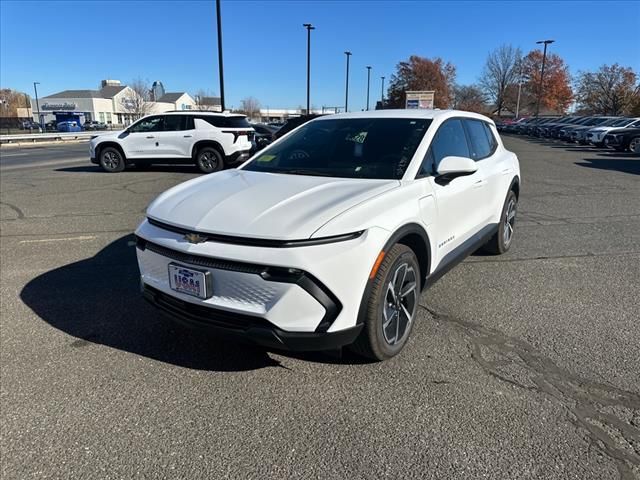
297,298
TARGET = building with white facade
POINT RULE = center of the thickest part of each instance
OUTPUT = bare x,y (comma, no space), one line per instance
114,104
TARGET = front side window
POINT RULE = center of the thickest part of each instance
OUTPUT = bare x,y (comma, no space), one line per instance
379,148
149,124
450,141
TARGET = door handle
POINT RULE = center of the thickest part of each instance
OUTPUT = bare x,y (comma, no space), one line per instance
187,136
505,171
150,136
479,183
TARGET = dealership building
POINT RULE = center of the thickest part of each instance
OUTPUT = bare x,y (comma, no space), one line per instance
113,104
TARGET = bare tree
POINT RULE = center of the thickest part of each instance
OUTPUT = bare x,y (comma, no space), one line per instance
250,106
501,70
470,98
138,101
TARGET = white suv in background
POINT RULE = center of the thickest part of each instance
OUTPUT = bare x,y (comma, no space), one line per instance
327,236
596,135
209,140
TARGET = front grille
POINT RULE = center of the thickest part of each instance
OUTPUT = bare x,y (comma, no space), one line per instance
202,315
199,260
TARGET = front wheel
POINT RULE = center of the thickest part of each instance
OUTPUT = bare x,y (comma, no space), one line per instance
391,306
634,145
112,160
501,240
209,160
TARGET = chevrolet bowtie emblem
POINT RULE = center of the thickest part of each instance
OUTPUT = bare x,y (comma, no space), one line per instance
195,238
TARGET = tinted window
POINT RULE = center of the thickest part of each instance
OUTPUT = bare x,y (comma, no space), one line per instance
226,122
173,123
347,148
149,124
479,142
449,141
493,143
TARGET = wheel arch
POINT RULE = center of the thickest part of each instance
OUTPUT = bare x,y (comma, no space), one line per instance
206,143
515,186
416,238
102,145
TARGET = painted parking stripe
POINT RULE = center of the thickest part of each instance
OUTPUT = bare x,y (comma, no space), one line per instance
67,239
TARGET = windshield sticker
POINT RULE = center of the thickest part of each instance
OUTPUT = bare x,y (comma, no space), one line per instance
357,138
266,158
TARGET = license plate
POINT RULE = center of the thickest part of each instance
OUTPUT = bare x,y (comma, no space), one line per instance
189,281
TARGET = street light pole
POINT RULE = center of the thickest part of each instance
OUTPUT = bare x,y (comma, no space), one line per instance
309,27
346,95
368,83
220,67
544,58
37,104
519,88
382,93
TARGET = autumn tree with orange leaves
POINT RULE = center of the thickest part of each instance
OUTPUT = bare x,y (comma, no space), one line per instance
556,91
419,73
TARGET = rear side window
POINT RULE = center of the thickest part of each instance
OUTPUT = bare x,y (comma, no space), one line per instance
174,123
226,122
479,141
493,143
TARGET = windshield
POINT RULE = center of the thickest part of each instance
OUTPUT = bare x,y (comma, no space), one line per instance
349,148
620,122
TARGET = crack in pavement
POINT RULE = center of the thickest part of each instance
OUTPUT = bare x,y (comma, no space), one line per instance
588,403
15,209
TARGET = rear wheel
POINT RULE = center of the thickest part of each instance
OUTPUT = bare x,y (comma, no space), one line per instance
391,306
209,160
112,160
502,239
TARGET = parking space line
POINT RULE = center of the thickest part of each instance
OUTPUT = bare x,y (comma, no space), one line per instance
67,239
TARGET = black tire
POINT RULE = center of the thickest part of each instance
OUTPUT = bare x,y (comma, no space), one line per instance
634,145
112,160
500,242
377,341
209,160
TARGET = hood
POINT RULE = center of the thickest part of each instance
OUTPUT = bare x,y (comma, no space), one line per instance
109,135
262,205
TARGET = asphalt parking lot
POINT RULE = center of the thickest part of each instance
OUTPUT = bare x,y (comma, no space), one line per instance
520,367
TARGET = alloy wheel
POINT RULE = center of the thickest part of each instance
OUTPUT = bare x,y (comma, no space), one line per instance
399,305
111,160
634,145
208,160
509,222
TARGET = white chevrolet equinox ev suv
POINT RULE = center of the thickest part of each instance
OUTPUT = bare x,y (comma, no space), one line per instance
327,237
208,140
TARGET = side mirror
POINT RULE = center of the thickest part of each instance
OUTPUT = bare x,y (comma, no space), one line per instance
456,166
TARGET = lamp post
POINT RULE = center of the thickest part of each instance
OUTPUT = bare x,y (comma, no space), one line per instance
544,58
519,88
346,95
220,67
35,88
368,83
309,27
382,93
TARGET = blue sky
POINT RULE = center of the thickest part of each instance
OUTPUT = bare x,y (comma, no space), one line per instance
73,45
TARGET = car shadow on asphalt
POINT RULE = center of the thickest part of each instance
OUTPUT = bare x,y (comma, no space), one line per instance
619,163
97,301
145,168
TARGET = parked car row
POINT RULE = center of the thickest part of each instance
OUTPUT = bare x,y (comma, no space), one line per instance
621,133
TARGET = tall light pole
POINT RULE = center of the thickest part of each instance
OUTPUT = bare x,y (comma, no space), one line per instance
519,87
309,27
382,93
220,67
346,95
368,83
35,88
544,58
